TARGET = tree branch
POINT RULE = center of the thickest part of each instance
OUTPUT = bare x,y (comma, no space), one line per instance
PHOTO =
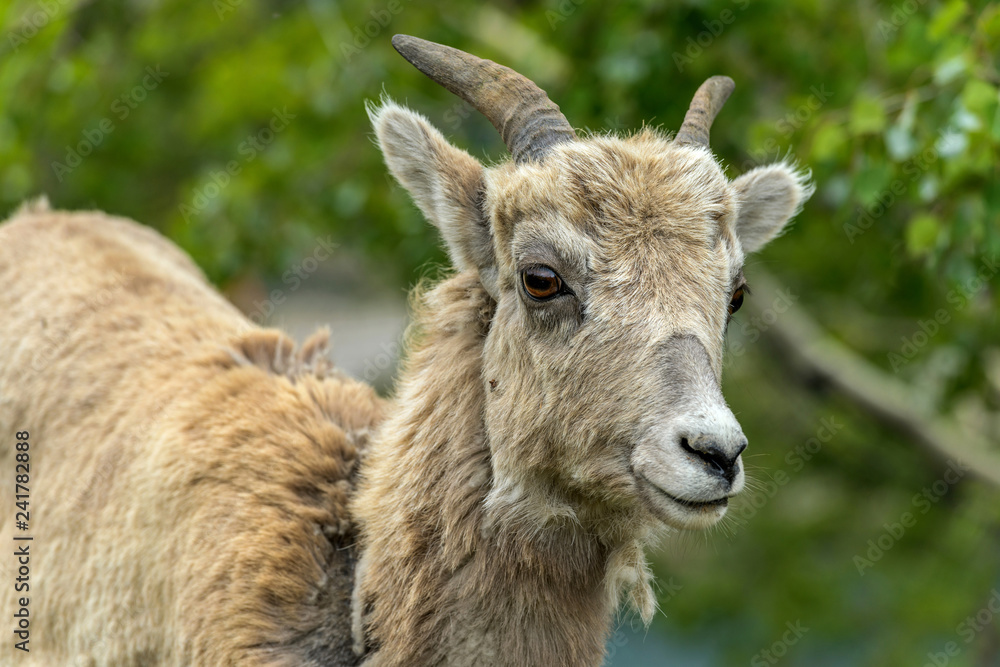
893,402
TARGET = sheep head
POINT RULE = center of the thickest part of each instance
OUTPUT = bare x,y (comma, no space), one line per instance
615,264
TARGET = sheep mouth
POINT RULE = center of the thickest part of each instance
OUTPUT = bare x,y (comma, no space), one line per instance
693,505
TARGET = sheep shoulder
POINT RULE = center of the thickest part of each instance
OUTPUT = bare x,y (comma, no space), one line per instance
191,472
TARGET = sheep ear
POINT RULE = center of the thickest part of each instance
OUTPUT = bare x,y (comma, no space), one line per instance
769,197
445,182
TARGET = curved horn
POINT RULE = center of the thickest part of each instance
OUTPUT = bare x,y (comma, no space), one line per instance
704,106
528,121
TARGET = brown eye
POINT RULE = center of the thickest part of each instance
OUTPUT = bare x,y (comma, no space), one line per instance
736,301
541,282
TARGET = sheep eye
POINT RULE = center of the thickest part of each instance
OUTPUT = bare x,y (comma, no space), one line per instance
541,282
736,301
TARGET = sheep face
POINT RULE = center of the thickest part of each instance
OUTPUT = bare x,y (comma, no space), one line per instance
615,265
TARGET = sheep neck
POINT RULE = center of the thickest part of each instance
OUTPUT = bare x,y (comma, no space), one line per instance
445,578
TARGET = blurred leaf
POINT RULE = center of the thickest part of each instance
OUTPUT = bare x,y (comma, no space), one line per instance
922,233
872,181
867,115
946,18
900,143
989,22
949,70
980,98
830,142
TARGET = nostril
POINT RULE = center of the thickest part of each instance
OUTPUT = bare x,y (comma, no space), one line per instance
709,452
711,455
717,459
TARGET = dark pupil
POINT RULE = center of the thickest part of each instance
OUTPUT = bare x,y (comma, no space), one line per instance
736,302
541,281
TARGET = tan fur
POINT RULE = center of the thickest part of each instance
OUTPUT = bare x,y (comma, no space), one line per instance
189,471
193,475
501,517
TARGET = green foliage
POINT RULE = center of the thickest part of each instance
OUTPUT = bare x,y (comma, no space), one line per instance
238,129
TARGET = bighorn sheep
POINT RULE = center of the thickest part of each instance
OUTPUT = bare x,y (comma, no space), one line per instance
201,493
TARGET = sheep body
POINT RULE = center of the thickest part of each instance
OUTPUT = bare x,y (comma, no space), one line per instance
189,471
540,439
